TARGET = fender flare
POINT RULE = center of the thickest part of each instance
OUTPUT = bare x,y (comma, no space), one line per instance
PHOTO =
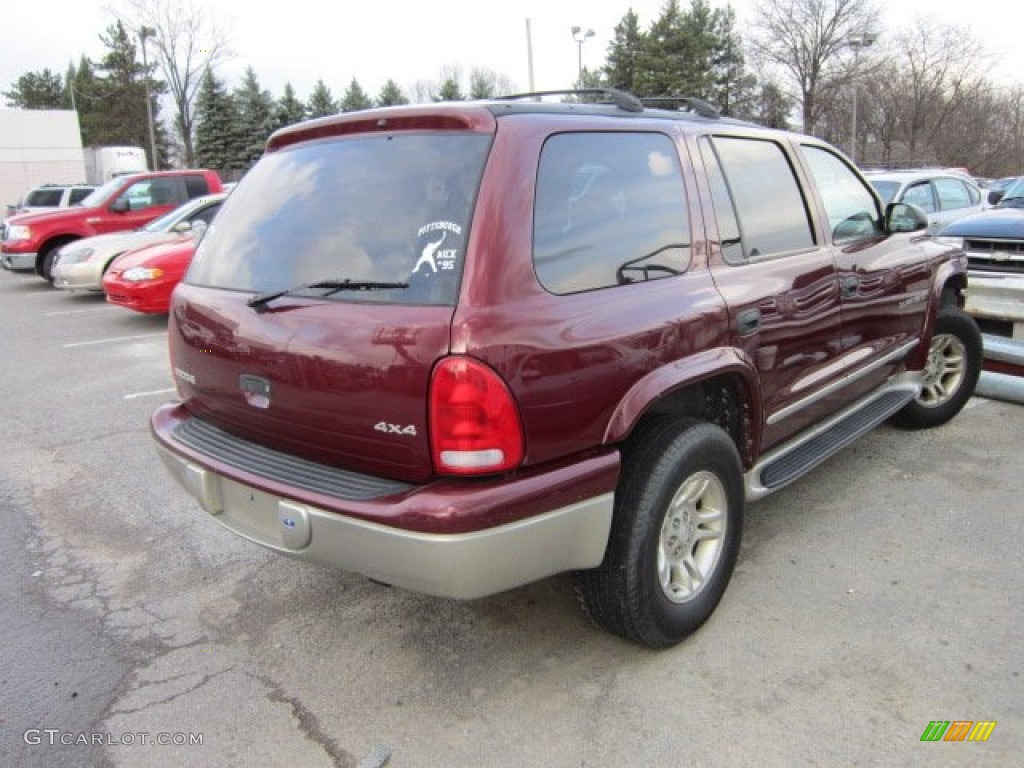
682,373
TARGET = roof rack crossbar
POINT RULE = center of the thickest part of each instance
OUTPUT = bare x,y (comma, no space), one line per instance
699,106
621,99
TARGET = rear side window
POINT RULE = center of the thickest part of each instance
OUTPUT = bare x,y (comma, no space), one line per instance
370,209
45,198
196,186
769,207
610,210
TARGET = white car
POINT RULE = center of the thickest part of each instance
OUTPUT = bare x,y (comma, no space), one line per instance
944,196
80,265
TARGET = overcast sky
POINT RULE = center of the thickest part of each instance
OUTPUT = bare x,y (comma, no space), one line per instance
302,40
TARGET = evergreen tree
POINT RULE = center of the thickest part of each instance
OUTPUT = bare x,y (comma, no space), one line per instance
116,98
218,144
321,102
37,90
256,118
621,66
355,98
450,91
482,84
391,95
290,109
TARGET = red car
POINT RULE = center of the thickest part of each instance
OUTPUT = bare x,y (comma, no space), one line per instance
144,278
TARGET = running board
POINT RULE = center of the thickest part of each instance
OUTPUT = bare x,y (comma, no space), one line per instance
807,450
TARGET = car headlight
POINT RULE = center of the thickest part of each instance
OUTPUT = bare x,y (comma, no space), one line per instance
955,242
138,274
19,232
74,255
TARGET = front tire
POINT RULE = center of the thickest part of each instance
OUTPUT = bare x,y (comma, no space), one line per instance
675,534
950,374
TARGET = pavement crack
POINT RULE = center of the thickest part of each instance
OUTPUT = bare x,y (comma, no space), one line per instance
310,725
177,695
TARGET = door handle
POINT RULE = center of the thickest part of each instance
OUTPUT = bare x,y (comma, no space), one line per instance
848,285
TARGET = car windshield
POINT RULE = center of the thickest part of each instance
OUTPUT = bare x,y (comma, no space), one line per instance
1014,191
886,189
100,195
168,220
385,209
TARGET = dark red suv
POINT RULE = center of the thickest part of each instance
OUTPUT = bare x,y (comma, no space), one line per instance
461,347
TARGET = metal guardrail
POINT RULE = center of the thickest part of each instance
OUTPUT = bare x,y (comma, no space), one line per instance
1002,377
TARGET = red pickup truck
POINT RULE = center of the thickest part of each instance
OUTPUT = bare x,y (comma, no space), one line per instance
31,241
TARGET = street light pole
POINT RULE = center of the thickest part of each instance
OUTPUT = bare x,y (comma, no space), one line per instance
580,37
857,41
145,32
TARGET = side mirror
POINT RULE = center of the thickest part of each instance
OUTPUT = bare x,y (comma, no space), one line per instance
182,227
120,205
995,196
904,217
198,230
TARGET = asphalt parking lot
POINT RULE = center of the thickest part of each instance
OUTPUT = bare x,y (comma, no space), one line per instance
878,594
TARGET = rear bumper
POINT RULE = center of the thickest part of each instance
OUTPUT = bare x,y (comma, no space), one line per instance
507,532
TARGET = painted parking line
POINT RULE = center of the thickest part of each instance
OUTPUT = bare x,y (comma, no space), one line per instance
151,393
76,311
114,340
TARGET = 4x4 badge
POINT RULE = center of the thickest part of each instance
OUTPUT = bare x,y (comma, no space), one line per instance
255,389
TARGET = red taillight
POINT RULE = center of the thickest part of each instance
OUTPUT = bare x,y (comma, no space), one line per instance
474,423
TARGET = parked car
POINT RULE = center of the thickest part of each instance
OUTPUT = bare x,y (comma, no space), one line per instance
31,240
994,242
81,264
49,196
996,189
460,347
944,196
143,279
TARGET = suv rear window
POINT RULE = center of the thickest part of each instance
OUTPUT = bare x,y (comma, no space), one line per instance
378,209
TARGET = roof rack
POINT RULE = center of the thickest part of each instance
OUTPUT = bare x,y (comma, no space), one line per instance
621,99
699,106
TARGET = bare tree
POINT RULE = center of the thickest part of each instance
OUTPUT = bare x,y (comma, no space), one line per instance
809,41
185,42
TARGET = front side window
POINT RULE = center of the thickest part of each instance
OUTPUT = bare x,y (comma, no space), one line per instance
953,194
382,209
78,194
610,210
849,205
770,208
920,194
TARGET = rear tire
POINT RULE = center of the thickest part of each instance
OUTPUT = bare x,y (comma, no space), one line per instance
675,534
950,374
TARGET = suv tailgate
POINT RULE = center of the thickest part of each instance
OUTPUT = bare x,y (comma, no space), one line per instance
339,383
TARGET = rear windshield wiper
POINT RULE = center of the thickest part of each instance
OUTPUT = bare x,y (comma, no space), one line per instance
260,300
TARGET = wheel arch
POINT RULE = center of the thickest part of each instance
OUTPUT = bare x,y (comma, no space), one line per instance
719,386
53,243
